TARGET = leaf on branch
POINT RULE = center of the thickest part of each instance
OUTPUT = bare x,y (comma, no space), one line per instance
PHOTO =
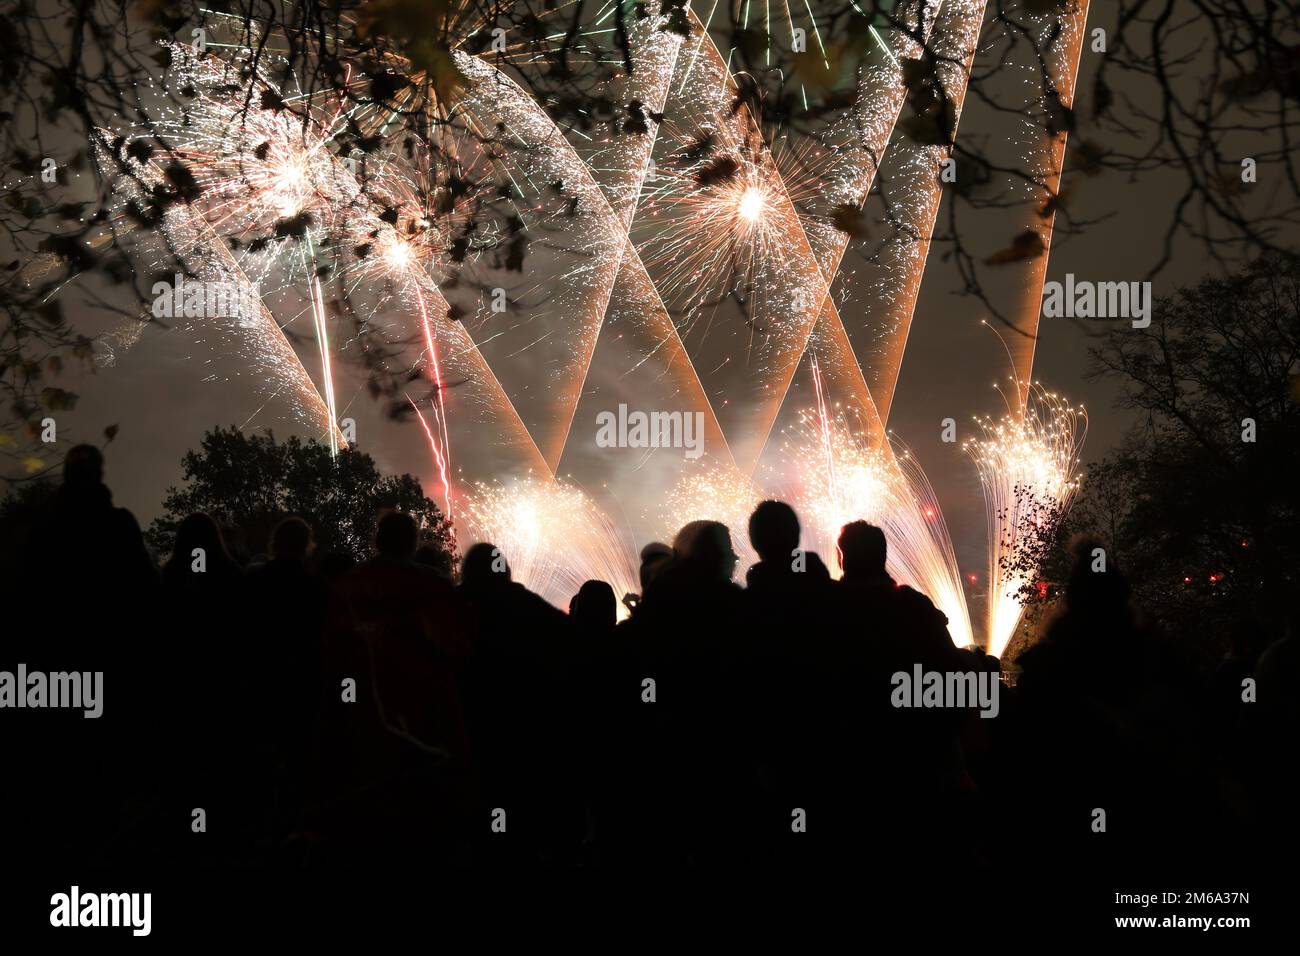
721,170
851,220
293,226
272,101
183,181
140,151
1027,245
58,399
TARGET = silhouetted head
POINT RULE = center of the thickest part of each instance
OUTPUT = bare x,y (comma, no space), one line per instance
84,466
436,559
654,558
594,607
484,566
862,550
707,546
774,531
291,540
198,531
1096,584
396,535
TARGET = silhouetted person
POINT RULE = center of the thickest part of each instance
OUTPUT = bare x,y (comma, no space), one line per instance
593,610
83,599
397,764
908,767
783,573
655,556
788,593
206,639
89,552
687,637
596,660
199,560
872,594
518,708
289,602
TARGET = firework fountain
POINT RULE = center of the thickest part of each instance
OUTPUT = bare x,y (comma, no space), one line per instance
1028,464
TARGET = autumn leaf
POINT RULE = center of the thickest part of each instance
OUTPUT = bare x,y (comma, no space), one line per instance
1027,245
1055,202
58,399
721,170
851,220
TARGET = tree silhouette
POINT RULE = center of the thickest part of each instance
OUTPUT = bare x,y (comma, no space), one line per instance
250,482
1198,503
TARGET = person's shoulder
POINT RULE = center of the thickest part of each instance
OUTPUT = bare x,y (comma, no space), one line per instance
816,568
914,600
124,518
535,601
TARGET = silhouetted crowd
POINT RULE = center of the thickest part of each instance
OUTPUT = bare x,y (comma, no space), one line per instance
318,710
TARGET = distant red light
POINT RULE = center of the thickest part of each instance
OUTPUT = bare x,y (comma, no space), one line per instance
1187,580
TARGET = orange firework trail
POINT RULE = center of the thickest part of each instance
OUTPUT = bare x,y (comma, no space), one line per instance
1063,60
887,289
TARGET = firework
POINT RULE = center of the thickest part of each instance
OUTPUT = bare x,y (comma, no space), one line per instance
713,493
836,474
730,216
1046,159
1027,465
552,535
720,232
885,289
252,334
288,202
